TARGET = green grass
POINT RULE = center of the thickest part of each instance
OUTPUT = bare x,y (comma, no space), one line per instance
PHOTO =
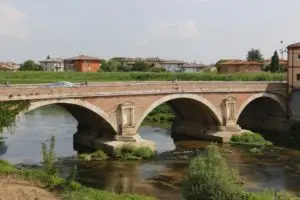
47,77
249,138
97,155
130,152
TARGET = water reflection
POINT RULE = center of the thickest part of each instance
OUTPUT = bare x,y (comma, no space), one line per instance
279,168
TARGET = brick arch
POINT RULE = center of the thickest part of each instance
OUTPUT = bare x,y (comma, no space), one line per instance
273,97
78,102
201,100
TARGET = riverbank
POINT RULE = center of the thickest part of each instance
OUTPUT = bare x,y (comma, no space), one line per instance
76,77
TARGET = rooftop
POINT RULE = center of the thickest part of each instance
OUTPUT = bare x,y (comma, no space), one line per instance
51,60
241,62
294,46
83,57
193,65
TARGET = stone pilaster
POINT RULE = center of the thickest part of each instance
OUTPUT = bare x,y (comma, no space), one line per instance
229,115
126,122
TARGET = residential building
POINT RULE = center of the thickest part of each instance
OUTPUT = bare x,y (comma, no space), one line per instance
82,63
171,65
52,64
192,67
294,66
9,66
234,66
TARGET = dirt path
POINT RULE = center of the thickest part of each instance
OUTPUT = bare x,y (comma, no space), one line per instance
12,189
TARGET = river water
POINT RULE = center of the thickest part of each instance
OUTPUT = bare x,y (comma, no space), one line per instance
278,168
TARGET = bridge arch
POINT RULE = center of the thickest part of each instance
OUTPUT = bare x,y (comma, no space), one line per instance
86,114
191,104
264,112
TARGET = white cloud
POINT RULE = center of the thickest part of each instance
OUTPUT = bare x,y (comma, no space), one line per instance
12,21
166,30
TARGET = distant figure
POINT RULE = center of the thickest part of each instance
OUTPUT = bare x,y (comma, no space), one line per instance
85,82
6,83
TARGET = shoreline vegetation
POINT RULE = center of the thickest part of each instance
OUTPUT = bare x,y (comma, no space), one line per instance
31,77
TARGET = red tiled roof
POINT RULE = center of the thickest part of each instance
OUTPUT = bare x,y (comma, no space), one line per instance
240,62
83,57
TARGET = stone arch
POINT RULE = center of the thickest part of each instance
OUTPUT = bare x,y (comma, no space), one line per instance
167,98
274,97
78,102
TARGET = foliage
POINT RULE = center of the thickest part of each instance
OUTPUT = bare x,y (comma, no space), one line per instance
275,65
91,194
271,195
8,112
254,55
249,138
140,65
130,152
161,114
210,178
111,65
97,155
30,65
46,77
49,157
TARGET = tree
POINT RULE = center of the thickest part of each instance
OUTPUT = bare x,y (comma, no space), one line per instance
30,65
254,55
274,65
110,66
140,65
48,57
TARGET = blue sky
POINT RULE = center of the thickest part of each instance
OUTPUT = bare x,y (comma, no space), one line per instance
200,30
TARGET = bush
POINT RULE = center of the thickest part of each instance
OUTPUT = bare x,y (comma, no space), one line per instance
130,152
249,138
209,178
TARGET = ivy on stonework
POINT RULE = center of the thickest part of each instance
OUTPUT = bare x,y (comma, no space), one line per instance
8,113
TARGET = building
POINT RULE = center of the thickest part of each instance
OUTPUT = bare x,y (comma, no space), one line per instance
171,65
294,66
52,64
9,66
192,67
82,63
234,66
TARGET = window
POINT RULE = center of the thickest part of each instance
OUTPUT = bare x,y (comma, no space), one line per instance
298,77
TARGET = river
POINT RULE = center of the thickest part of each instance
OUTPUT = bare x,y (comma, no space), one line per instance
278,168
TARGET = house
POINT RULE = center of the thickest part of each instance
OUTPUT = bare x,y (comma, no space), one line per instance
294,69
171,65
234,66
82,63
192,67
52,64
9,66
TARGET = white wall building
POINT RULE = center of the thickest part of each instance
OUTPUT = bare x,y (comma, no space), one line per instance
192,67
171,65
53,64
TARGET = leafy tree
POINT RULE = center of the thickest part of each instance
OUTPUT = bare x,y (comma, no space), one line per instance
140,65
110,65
30,65
254,55
126,68
274,65
48,57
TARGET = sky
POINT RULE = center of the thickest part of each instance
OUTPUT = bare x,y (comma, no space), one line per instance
192,30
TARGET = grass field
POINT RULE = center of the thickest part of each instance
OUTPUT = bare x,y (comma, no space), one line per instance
48,77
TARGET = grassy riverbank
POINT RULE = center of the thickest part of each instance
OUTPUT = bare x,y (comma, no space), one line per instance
47,178
48,77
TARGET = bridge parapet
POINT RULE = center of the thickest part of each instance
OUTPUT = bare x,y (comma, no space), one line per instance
24,92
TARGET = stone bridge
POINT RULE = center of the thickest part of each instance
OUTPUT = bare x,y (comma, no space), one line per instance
109,114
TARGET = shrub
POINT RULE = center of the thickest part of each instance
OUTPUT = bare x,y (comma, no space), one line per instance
49,157
99,155
130,152
249,138
210,178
